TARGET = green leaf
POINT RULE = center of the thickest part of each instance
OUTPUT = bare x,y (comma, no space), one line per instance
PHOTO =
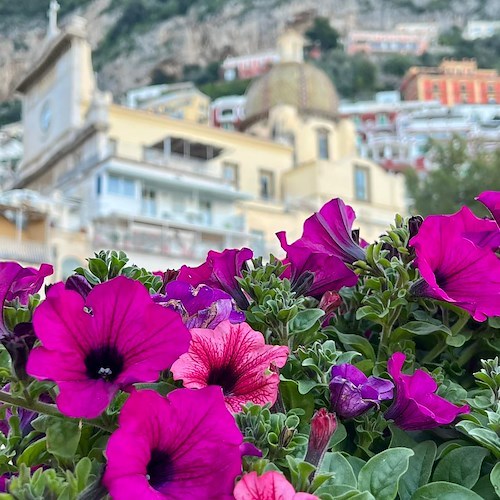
305,320
357,343
293,399
485,489
34,454
495,478
400,438
444,491
337,463
423,328
419,469
461,466
380,475
63,437
98,268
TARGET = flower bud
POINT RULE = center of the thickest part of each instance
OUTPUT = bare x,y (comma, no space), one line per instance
79,284
414,224
330,302
323,426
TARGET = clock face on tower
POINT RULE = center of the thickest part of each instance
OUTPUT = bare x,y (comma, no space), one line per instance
45,116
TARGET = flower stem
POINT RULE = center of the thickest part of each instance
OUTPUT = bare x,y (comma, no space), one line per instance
46,409
435,351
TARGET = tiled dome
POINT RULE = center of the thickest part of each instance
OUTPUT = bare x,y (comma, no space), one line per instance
300,85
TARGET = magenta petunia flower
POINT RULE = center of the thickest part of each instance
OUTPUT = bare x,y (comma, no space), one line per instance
220,271
352,393
329,272
456,269
236,358
329,231
201,306
17,282
186,445
93,348
491,200
416,406
271,485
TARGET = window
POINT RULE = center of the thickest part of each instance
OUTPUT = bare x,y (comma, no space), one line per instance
230,173
382,119
323,147
266,183
149,202
98,184
121,186
361,183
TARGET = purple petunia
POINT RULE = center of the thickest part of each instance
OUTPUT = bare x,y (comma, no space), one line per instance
220,271
456,259
186,445
416,406
201,306
17,282
329,272
352,393
92,348
329,231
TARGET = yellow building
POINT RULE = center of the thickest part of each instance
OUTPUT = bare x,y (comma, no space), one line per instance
167,190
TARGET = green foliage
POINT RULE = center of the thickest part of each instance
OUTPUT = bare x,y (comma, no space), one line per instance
321,31
459,176
353,76
108,264
221,89
277,435
398,64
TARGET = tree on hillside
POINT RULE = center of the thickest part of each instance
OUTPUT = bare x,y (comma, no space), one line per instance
457,178
322,32
398,64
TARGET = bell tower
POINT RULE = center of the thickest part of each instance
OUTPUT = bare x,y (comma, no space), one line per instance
57,91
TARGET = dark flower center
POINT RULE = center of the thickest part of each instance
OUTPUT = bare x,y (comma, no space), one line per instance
225,376
104,363
160,469
441,279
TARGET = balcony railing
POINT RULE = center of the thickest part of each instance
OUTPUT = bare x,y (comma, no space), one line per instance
24,251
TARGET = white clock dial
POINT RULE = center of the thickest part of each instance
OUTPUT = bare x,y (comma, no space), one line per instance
45,117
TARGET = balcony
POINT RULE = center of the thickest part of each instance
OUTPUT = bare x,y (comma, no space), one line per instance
173,239
24,251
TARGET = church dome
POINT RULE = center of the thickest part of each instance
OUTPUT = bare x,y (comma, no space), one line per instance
297,84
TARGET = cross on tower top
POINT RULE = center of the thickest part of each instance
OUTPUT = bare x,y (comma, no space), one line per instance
52,15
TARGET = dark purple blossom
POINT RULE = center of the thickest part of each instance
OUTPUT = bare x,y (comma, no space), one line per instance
416,406
200,306
220,271
352,393
17,282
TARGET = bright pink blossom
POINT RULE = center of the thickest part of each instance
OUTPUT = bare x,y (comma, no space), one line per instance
491,200
92,348
236,358
220,271
329,231
329,272
184,446
455,257
271,485
416,406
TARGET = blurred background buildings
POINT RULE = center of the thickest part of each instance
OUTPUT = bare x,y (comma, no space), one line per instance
169,170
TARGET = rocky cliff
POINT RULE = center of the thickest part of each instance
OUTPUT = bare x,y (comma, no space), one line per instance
133,38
